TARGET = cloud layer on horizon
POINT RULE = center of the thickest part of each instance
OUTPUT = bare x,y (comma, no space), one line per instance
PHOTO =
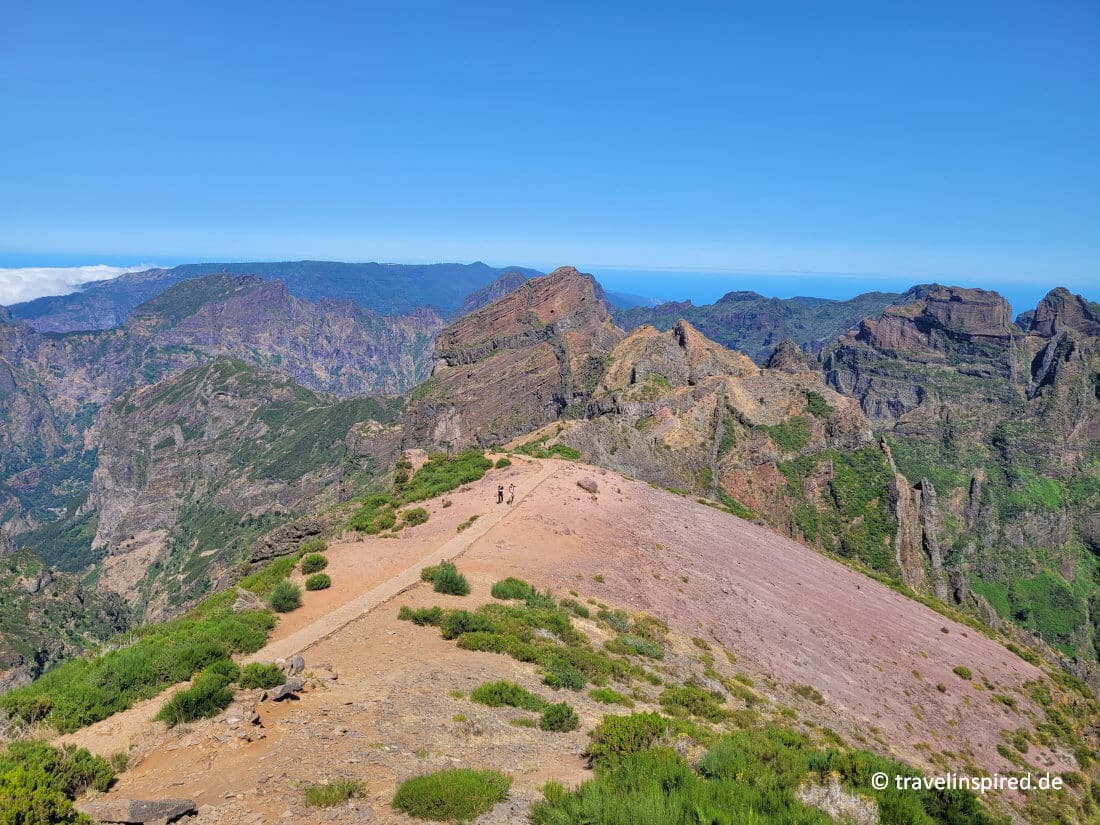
29,282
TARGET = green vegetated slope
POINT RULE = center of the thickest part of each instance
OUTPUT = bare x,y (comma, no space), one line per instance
993,430
45,615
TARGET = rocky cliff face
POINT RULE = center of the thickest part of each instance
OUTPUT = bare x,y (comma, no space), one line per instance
515,364
995,433
193,468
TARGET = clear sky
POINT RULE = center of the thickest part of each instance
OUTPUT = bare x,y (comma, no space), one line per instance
883,142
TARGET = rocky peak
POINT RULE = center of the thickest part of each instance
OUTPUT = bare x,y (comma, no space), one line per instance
5,314
944,312
540,309
1060,310
789,357
516,364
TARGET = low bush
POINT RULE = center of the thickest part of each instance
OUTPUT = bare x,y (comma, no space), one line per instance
459,794
374,515
692,700
208,696
314,545
467,524
285,597
498,694
511,588
38,783
415,516
962,672
334,793
319,581
314,563
749,776
635,646
503,462
226,668
260,675
559,672
607,696
619,736
421,615
618,620
541,601
559,718
576,608
445,578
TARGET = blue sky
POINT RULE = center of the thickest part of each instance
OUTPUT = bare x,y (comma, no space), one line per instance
882,143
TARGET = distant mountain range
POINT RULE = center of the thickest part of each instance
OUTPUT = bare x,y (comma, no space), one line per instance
756,325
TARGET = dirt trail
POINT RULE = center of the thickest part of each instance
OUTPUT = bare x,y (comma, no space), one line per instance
352,610
362,580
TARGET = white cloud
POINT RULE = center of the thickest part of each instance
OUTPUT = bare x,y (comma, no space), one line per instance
29,282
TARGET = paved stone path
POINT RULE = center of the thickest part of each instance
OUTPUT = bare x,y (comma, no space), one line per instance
448,551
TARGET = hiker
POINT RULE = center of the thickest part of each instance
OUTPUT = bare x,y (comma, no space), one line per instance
511,493
500,494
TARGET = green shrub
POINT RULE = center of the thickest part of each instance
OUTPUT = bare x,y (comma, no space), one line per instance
334,793
962,672
208,696
374,515
442,473
445,578
791,435
503,462
467,524
617,619
70,770
314,545
560,718
226,668
498,694
459,794
635,646
38,783
618,736
421,615
750,776
559,672
314,563
259,675
817,406
415,516
319,581
576,608
607,696
692,700
285,597
511,588
541,601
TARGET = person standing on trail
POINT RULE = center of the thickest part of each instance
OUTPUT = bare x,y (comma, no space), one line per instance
511,493
500,494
